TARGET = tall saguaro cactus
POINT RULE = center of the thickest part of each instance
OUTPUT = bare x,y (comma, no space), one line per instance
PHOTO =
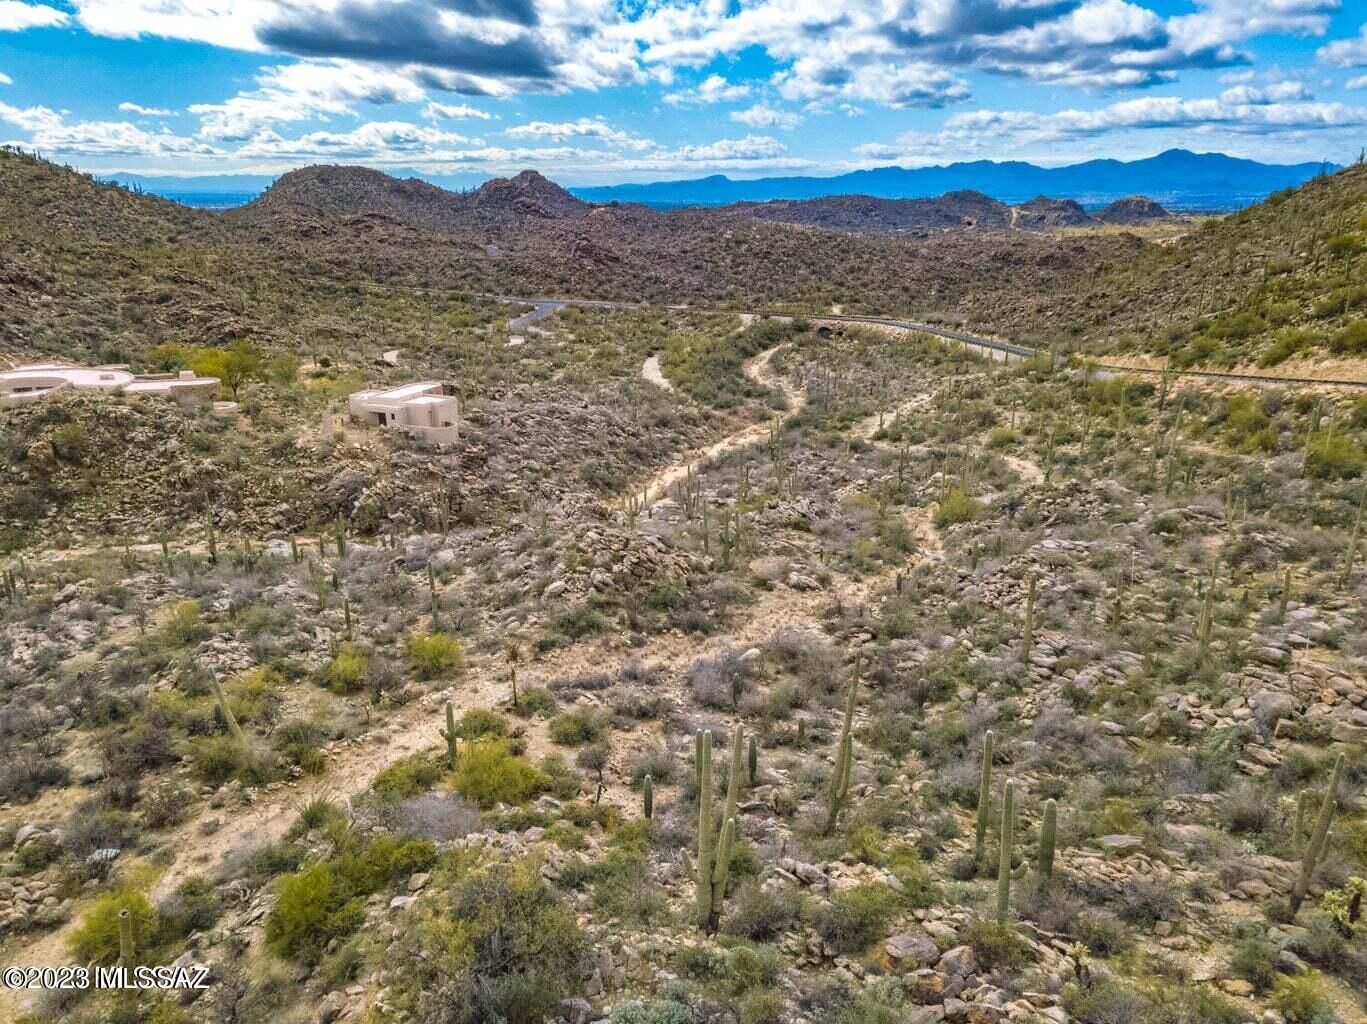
1007,839
1028,627
648,798
714,853
843,768
1353,541
1318,839
340,536
984,795
1047,837
449,735
228,715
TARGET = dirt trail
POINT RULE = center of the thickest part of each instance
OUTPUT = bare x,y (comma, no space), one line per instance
650,370
759,369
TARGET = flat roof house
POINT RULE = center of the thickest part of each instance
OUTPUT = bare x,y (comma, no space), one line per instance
35,381
427,409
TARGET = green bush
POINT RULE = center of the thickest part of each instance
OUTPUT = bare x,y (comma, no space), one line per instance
409,776
480,722
96,938
346,671
1335,458
577,727
958,507
216,759
997,946
434,655
761,915
184,626
194,907
856,918
312,910
1301,999
488,774
1255,961
498,945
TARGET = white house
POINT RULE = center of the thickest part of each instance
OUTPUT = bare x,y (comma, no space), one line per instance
35,381
427,409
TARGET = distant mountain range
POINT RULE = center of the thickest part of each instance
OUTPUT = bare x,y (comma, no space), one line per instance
1178,179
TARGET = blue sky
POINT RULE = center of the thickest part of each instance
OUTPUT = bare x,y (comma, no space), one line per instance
591,91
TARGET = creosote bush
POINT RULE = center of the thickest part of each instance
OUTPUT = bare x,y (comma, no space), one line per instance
434,656
487,773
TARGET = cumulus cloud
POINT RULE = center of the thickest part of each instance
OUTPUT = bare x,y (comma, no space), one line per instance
752,147
388,139
1360,82
712,89
455,112
5,79
141,111
15,17
1346,53
893,85
1232,115
588,128
51,131
762,116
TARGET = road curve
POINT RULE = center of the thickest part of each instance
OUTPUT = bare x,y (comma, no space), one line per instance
975,340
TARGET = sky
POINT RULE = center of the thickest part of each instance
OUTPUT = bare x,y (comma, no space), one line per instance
590,91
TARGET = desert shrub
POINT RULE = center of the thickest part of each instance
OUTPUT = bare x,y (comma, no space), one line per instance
216,759
193,907
537,701
1335,457
96,938
1301,999
1254,959
434,655
857,917
345,672
488,774
573,728
719,680
184,626
624,886
312,910
498,945
408,777
997,946
958,507
480,722
438,816
762,915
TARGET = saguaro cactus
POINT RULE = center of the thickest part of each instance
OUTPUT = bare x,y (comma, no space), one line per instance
1006,838
209,534
346,615
125,938
648,798
340,531
714,854
1318,839
1285,595
227,712
1302,812
449,735
1353,541
984,795
1028,627
839,787
1047,836
752,761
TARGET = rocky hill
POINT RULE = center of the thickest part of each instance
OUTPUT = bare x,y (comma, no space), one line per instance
1132,210
964,209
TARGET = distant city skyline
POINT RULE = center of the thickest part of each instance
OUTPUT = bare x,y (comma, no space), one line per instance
592,92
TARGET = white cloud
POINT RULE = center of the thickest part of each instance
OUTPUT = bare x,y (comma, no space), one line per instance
891,84
50,131
377,139
1360,82
998,131
1277,92
1346,53
134,108
752,147
455,112
303,92
712,89
5,79
15,17
589,128
762,116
